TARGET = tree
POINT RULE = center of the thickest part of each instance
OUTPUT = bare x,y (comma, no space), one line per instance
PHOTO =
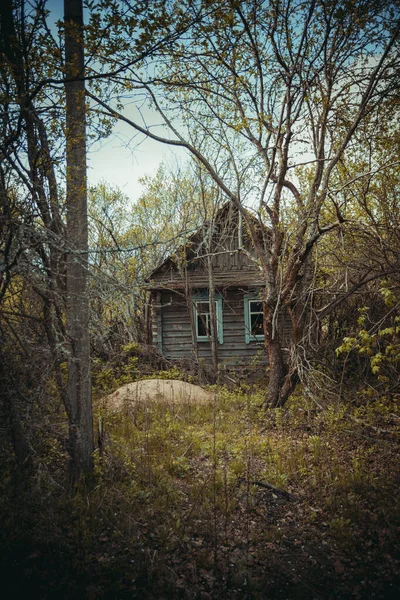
358,265
33,277
79,397
258,92
41,128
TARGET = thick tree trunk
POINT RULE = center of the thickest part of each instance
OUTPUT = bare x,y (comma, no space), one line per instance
276,372
79,403
282,378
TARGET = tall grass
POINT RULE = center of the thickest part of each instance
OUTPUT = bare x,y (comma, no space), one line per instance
226,500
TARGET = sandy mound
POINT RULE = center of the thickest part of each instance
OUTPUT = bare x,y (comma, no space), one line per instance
164,390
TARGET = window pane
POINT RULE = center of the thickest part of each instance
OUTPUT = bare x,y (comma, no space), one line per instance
203,319
256,316
255,306
203,325
256,323
203,308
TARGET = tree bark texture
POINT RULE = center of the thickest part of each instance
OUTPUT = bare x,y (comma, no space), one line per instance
213,318
79,403
282,377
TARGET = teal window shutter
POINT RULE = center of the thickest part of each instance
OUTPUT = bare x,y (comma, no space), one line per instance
220,322
247,327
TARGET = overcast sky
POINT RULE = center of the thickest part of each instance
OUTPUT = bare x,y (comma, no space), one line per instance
119,159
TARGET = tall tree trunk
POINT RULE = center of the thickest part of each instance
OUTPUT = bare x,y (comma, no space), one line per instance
147,319
79,402
282,378
10,401
275,361
189,304
213,318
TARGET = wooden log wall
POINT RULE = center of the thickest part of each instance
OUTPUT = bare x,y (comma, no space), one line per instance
177,336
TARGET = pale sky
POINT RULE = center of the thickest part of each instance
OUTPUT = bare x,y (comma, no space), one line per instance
120,160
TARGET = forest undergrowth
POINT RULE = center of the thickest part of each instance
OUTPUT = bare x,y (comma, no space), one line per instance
219,500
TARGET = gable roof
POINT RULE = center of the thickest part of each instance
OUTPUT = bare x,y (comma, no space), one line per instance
230,248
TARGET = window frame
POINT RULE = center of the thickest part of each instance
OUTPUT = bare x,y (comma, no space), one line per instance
202,299
250,337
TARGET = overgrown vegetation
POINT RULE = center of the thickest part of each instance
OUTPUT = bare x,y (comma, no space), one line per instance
289,110
218,500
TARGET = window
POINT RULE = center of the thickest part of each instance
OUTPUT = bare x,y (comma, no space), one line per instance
253,319
202,318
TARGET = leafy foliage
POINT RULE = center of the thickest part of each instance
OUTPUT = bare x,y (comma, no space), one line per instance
380,343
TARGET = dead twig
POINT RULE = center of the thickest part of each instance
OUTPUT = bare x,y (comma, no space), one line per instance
275,490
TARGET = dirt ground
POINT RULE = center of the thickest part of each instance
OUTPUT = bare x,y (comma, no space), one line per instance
172,391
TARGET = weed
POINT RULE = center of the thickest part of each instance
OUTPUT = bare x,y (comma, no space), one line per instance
182,504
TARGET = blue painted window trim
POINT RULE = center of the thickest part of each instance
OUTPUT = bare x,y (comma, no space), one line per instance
204,297
247,321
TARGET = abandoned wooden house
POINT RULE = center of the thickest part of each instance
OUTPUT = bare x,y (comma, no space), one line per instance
216,264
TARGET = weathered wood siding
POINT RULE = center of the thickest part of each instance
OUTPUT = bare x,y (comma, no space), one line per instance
228,269
234,274
177,340
233,259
